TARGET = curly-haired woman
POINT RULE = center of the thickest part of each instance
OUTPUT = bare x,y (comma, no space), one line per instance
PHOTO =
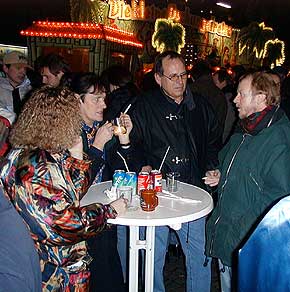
45,177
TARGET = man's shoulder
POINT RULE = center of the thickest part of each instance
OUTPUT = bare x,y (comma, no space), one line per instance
4,84
149,97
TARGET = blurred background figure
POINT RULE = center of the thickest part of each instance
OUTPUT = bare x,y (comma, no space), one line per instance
121,91
45,177
19,265
222,80
13,89
52,68
203,85
14,86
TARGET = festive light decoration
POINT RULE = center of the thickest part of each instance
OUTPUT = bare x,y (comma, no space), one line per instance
212,26
81,31
118,9
264,27
190,55
173,13
279,43
168,35
241,48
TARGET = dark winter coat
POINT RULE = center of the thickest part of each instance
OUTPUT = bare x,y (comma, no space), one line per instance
190,129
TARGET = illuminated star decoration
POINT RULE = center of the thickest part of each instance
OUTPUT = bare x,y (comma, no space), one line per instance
168,35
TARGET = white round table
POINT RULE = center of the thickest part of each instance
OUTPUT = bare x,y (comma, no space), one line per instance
171,212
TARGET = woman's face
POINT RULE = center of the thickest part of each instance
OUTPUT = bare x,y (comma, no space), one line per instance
93,105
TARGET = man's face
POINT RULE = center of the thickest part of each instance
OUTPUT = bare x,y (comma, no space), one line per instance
246,101
50,79
92,106
173,68
16,73
216,81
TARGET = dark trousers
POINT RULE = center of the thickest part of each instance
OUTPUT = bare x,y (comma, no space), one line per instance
106,271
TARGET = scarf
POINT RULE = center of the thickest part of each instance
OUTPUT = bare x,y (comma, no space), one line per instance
90,134
256,122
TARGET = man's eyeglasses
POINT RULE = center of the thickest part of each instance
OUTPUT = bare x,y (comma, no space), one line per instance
176,77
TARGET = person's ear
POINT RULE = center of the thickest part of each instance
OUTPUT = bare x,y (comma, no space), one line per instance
157,78
5,69
261,98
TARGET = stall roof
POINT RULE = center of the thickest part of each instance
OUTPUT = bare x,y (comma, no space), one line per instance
80,30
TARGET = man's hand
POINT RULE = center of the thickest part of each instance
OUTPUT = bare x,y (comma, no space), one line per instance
212,177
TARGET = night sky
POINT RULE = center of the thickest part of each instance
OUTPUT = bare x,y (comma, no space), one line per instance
19,14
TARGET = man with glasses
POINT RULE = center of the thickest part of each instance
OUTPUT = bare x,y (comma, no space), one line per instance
172,116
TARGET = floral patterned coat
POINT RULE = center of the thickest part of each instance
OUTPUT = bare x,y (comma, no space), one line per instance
46,190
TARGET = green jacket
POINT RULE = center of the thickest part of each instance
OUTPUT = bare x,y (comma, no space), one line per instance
255,173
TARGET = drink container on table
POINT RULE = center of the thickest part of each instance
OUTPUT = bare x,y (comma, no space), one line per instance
118,178
130,180
144,181
156,179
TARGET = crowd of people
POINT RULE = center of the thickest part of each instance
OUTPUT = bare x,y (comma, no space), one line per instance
228,134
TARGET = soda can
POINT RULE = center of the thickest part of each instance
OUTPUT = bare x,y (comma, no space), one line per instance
156,179
131,181
144,181
118,178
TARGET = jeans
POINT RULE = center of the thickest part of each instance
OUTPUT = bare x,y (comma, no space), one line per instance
225,276
192,239
123,248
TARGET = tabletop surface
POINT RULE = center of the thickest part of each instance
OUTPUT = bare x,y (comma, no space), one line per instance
168,212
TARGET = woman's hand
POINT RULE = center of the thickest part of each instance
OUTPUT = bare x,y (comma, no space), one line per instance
127,123
103,135
212,177
77,150
120,205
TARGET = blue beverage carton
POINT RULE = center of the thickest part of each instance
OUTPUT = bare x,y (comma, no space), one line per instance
131,180
118,178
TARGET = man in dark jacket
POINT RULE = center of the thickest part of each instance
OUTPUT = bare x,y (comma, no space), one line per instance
172,116
254,170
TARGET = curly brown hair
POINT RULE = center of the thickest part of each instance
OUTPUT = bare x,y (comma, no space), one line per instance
50,120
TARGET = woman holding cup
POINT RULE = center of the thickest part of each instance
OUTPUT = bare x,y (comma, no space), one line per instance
101,146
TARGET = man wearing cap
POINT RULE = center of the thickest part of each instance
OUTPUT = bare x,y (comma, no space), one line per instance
14,86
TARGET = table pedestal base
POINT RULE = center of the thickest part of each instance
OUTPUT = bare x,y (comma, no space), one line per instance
135,245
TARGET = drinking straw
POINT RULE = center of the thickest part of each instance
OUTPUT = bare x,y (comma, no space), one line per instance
164,157
124,160
128,107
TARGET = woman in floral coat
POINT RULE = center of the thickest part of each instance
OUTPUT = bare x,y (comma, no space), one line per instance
45,177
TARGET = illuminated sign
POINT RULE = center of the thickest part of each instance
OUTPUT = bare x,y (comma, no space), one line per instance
214,27
173,13
121,10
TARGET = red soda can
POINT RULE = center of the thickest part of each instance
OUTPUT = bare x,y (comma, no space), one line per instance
144,181
156,179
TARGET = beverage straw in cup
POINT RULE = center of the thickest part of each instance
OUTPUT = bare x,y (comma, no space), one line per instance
164,157
128,107
124,160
